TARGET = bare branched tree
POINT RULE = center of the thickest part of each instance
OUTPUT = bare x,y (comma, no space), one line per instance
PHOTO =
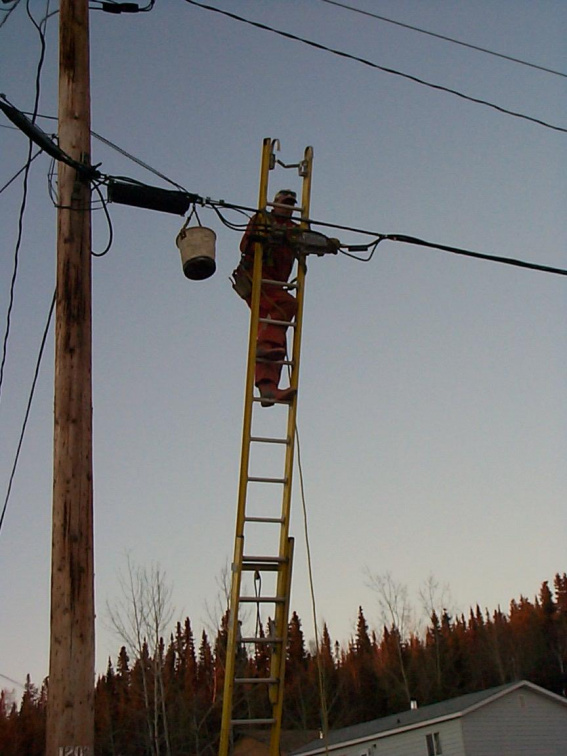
396,615
436,602
435,597
141,617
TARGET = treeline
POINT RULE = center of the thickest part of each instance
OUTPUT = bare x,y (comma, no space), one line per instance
169,703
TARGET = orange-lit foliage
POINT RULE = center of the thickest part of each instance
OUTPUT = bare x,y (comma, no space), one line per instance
373,676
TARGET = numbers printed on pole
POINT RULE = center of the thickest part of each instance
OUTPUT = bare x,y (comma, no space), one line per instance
75,751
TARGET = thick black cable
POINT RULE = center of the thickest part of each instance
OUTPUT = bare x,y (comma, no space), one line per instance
478,255
114,7
28,409
378,237
445,38
110,228
364,61
216,204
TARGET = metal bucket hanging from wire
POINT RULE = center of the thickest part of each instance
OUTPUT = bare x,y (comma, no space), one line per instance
197,248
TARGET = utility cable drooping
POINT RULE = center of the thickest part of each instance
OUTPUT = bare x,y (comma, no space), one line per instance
129,191
393,71
28,409
445,38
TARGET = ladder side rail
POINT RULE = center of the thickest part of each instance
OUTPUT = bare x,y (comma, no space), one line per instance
286,543
230,661
279,655
233,624
296,352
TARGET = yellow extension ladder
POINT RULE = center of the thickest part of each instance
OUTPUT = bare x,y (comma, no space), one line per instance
263,547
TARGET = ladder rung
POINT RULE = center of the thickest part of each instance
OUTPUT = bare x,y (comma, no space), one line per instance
262,599
259,567
265,360
256,680
254,479
272,401
261,641
240,722
265,559
266,440
273,520
287,323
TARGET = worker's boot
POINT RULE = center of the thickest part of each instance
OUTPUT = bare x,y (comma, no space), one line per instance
286,395
270,394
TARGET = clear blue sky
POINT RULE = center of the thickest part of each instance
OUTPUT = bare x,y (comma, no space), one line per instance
432,410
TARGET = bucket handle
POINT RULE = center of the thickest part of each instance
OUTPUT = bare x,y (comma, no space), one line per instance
195,213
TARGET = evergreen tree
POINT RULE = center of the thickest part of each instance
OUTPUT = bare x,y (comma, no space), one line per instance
30,729
369,678
298,696
559,649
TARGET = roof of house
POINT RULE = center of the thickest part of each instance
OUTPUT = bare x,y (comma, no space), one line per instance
449,709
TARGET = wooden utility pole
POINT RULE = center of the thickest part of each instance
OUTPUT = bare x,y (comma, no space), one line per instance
70,711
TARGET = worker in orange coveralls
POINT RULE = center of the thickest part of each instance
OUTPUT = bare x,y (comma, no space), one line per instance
275,302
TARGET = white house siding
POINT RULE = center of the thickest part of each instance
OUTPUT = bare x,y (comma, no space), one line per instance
411,743
521,723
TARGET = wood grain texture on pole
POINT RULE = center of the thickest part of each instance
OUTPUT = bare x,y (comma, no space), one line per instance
70,711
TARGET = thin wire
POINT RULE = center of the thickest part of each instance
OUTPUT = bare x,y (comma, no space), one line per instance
320,677
369,63
8,12
133,158
109,221
11,679
22,169
446,39
229,224
24,200
42,45
28,408
15,270
123,152
258,593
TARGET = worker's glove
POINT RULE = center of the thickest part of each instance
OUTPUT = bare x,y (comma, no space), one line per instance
241,282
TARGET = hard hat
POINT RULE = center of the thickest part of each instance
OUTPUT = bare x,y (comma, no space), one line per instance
284,196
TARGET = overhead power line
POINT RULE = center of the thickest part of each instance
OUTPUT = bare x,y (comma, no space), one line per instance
478,255
27,413
364,61
445,38
127,191
379,237
11,679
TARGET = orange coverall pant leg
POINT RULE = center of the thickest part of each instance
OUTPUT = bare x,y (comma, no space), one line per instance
277,304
